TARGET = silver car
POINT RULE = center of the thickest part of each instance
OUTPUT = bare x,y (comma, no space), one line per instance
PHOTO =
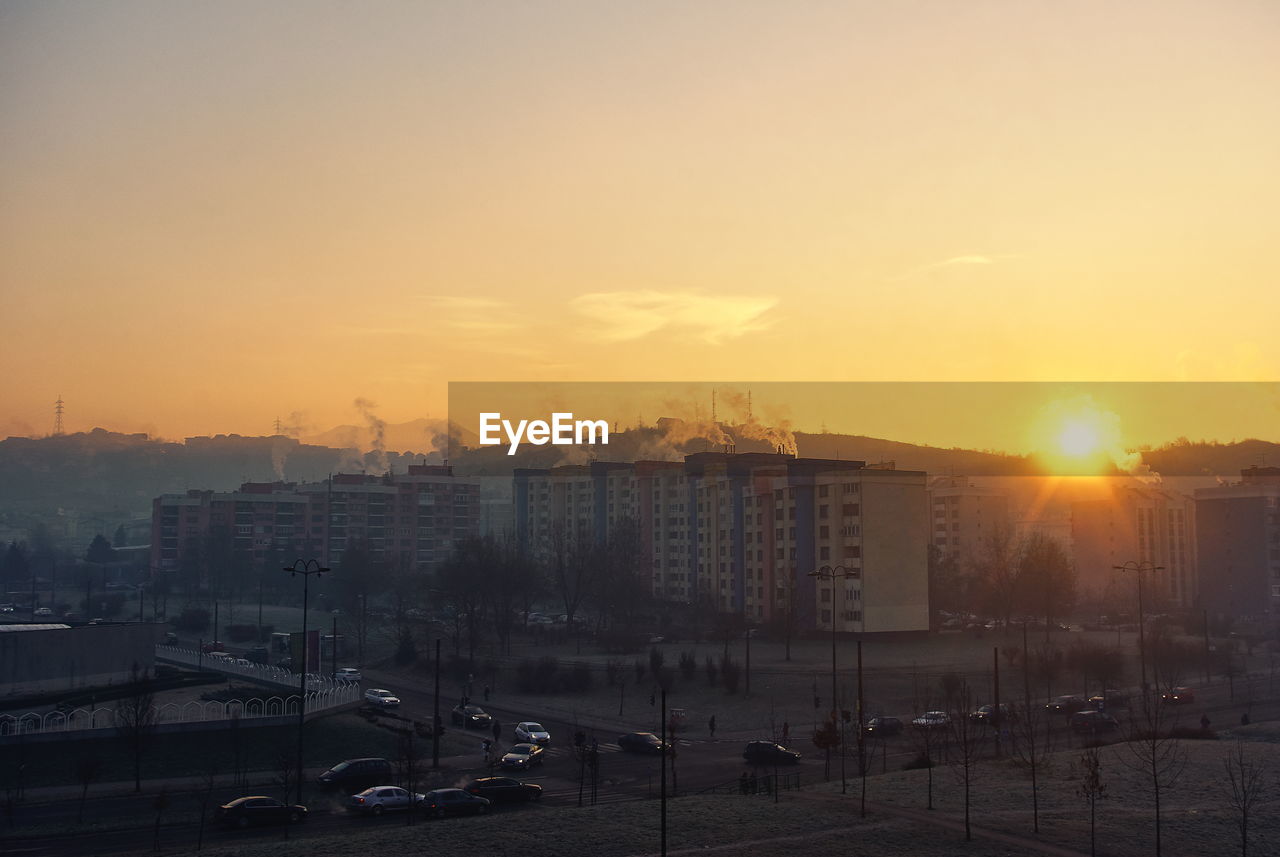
380,799
381,698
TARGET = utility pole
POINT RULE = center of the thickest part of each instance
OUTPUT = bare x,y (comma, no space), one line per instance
435,726
306,569
862,748
662,794
995,682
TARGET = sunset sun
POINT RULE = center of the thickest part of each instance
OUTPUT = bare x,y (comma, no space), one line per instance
1079,438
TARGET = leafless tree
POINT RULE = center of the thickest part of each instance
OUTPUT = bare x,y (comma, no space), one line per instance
1245,787
136,719
1155,753
88,769
409,757
160,803
968,740
996,568
208,776
1091,788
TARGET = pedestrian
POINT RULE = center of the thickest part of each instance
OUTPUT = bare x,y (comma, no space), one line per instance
1204,722
743,783
497,729
1244,719
711,726
486,745
786,731
486,693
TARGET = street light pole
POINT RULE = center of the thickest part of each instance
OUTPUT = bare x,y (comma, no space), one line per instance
1138,568
306,568
831,573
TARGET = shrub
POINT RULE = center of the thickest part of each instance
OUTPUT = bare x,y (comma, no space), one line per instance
545,674
406,648
920,762
640,670
578,678
688,665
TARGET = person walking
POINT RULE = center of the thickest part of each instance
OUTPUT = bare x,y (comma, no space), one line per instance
1204,722
711,726
497,730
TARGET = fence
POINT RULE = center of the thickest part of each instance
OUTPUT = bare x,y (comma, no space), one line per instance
262,673
253,711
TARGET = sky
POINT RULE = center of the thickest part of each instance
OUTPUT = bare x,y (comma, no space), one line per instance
216,214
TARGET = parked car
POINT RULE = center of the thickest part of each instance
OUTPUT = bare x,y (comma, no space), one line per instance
882,726
932,720
1066,705
381,698
533,733
504,790
355,774
471,716
219,657
43,611
259,809
1093,722
376,800
443,802
522,757
769,753
242,662
349,674
213,646
641,742
1179,696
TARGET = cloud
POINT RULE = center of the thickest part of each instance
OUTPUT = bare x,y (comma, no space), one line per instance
624,316
473,315
954,262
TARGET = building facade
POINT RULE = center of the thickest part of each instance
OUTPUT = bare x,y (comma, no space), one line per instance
1238,534
409,519
742,533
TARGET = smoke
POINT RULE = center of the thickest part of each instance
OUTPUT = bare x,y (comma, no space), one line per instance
749,427
378,430
280,448
295,425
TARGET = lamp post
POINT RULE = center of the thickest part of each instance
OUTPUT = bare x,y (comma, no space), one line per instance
306,568
1138,568
832,573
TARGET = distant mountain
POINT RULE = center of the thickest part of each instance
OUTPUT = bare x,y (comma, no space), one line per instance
420,435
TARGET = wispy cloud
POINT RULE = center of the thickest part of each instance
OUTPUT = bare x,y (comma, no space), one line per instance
623,316
953,262
472,314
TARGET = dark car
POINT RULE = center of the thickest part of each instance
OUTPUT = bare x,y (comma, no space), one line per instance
769,753
170,638
882,726
503,790
472,717
1179,696
522,757
258,655
986,714
1066,705
259,809
355,774
1093,722
641,742
1109,699
442,802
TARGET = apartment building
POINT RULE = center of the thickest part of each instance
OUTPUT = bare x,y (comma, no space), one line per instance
411,518
1238,542
965,514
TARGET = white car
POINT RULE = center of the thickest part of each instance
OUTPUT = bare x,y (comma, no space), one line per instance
932,720
381,698
349,674
380,799
532,733
43,611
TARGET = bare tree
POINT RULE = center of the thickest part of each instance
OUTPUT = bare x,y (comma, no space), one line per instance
996,569
572,565
968,739
1092,789
1155,753
208,776
160,803
136,719
88,769
409,756
1246,786
1046,581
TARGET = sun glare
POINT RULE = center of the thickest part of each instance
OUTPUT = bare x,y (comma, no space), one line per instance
1078,438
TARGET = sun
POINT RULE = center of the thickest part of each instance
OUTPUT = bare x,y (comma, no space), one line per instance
1079,438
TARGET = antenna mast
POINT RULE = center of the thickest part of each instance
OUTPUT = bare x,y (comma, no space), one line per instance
57,417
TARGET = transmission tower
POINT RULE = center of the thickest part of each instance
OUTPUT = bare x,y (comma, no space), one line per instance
57,417
279,426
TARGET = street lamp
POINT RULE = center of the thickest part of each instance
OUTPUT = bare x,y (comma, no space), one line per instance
831,573
306,568
1139,568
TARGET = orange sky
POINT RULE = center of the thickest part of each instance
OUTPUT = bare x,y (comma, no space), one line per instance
212,215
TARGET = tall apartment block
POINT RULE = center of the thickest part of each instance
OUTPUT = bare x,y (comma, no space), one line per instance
1238,531
1137,523
965,514
410,518
743,532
